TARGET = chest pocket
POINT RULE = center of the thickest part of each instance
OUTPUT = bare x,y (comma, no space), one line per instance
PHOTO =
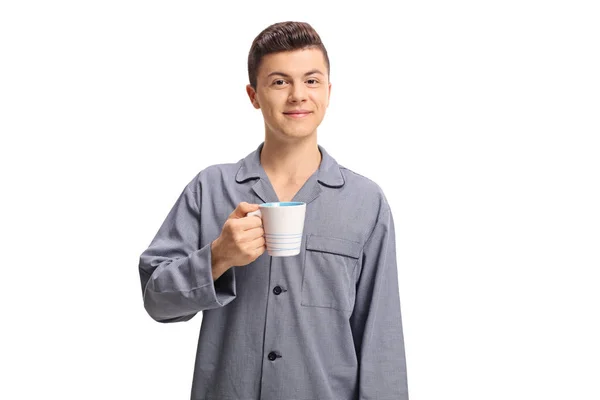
329,268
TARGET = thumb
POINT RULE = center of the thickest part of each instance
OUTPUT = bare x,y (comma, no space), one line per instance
242,209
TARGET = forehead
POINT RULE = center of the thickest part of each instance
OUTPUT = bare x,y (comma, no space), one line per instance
294,63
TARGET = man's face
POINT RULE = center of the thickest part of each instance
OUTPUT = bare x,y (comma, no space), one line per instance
292,91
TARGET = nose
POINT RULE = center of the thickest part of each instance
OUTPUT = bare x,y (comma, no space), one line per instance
297,93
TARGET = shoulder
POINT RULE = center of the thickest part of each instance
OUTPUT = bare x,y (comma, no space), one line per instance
366,199
220,170
213,175
364,188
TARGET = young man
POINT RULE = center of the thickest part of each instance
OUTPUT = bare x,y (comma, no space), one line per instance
322,325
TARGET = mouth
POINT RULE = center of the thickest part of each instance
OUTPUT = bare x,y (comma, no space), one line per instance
297,115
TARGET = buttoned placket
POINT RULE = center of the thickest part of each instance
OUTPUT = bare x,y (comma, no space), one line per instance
263,189
327,174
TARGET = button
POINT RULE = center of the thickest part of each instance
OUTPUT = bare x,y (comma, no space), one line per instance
272,356
277,290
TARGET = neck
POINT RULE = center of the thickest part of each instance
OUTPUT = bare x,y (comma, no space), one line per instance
290,161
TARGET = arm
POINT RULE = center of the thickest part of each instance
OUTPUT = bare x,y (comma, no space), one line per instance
376,320
177,276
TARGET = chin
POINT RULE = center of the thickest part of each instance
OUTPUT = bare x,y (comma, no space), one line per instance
298,135
294,132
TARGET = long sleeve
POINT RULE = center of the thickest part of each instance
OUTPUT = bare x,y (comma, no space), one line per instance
176,275
376,319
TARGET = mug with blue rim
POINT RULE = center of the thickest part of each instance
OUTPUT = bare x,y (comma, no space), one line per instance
283,223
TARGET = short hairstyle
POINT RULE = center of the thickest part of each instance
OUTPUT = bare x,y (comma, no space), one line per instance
279,37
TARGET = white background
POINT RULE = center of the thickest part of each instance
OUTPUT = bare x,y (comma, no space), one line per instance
480,121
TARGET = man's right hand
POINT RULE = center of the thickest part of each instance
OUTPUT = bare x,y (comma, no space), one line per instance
241,240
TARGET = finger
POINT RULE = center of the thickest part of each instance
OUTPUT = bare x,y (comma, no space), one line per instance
260,250
250,235
258,243
254,233
247,223
242,209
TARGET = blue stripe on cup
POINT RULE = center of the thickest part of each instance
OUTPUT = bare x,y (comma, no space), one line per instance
277,241
283,241
284,248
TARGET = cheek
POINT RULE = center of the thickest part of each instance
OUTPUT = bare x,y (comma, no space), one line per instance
270,102
271,111
321,98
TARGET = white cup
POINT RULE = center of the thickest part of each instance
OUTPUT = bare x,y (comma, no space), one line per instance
283,223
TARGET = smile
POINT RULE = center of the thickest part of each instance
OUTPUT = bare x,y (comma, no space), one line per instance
296,115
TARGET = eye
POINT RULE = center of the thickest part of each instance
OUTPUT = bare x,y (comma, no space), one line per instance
279,82
314,81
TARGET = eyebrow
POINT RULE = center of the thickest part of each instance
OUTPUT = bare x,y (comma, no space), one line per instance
312,71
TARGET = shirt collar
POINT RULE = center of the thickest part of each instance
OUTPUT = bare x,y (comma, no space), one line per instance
328,174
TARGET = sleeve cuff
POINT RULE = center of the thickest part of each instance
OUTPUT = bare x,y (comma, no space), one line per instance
217,293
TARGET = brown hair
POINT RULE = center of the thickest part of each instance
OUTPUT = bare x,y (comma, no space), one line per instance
282,36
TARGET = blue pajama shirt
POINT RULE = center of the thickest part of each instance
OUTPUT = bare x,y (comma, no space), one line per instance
322,325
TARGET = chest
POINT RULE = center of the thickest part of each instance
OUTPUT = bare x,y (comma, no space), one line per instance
286,192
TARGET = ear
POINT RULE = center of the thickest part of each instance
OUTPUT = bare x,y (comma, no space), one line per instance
252,95
329,95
